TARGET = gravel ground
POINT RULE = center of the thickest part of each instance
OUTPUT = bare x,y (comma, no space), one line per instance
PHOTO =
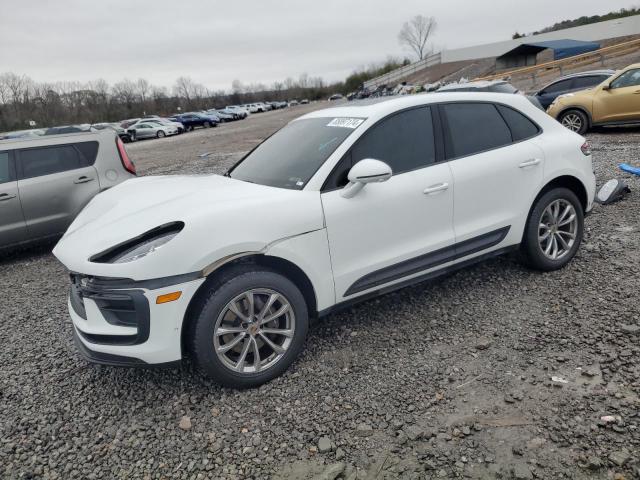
448,379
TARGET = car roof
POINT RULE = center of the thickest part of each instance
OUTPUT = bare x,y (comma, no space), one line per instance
604,71
478,84
382,106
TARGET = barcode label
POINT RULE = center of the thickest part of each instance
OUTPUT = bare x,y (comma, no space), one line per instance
345,122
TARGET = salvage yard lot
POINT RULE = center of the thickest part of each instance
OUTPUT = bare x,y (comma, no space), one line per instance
445,379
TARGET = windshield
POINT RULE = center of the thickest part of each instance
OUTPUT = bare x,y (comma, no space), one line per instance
290,157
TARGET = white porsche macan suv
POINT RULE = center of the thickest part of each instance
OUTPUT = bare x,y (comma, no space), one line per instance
338,206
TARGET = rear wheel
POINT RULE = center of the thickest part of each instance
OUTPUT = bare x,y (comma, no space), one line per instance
554,230
575,120
161,134
250,327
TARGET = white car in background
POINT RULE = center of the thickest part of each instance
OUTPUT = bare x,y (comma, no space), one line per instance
160,121
243,112
338,206
144,129
252,107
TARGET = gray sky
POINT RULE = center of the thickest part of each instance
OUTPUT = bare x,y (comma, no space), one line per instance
215,42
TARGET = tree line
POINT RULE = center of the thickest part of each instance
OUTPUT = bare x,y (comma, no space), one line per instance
23,100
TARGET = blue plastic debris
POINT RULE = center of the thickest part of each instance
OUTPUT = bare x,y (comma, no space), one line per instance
629,169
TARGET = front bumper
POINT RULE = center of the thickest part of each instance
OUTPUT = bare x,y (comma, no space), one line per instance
118,322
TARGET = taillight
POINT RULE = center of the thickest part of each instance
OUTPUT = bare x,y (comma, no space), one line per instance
124,158
586,148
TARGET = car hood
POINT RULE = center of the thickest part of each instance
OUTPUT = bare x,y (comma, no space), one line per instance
222,217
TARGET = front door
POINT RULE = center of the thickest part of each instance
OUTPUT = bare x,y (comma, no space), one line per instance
621,102
55,184
13,228
388,231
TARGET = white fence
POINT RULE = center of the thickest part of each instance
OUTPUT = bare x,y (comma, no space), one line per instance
399,73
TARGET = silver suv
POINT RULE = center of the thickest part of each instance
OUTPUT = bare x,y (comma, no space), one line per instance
46,180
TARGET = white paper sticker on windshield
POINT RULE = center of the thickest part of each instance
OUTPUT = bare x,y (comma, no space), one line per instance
345,122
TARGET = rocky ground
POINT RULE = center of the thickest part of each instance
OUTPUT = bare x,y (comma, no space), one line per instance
492,372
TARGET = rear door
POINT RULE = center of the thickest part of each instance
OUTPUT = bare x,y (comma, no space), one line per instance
621,102
13,228
55,183
497,171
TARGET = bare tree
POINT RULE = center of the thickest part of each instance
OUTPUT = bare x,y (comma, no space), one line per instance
416,33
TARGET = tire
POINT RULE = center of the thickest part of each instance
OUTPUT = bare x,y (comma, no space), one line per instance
206,124
213,313
537,245
575,120
160,134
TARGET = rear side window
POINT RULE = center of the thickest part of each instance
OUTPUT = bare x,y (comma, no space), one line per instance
473,128
404,141
561,86
36,162
89,150
587,82
521,127
5,168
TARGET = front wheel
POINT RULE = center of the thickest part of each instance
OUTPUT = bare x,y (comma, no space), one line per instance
160,134
554,230
250,327
575,120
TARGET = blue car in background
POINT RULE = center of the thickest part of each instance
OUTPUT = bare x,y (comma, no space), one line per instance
571,83
192,120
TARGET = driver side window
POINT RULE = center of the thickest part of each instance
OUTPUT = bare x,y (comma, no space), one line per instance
404,141
630,78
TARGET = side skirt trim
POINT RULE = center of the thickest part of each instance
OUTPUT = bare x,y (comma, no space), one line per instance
428,261
412,281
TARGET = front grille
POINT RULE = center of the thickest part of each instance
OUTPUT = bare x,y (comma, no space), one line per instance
119,307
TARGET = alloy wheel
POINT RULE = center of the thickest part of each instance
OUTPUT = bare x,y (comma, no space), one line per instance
572,121
557,229
254,330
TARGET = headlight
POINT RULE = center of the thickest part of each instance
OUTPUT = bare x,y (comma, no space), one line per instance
140,246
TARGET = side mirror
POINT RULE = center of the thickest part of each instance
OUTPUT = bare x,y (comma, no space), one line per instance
606,87
363,172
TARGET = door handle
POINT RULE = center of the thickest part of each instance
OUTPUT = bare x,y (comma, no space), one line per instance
440,187
6,196
637,92
83,179
530,163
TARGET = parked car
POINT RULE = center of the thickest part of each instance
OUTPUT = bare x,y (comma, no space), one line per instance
304,102
235,115
142,130
571,83
292,103
46,180
335,96
161,121
192,120
127,123
33,132
222,116
616,101
251,107
327,196
496,86
121,132
243,112
67,129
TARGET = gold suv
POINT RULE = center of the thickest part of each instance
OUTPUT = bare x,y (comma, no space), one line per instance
616,101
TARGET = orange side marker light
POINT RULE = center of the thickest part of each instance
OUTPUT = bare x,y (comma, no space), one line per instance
168,297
